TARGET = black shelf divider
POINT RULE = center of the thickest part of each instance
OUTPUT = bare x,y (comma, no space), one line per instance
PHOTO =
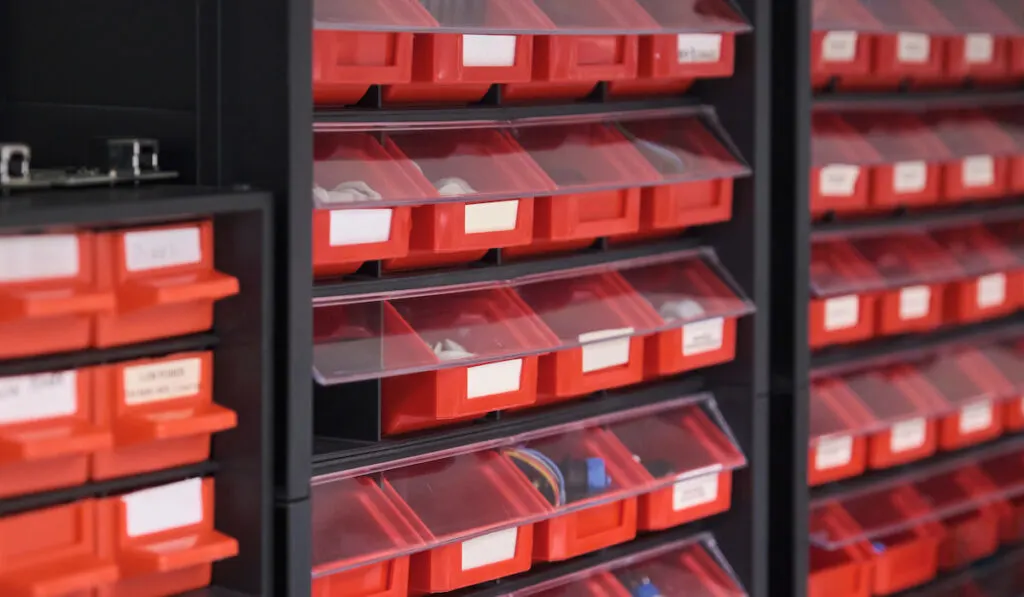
995,211
918,100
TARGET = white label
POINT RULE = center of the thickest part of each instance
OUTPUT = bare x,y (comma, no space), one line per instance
838,180
360,227
908,435
915,302
991,290
909,177
164,508
695,492
696,48
833,452
488,50
38,257
35,397
842,312
492,548
603,354
493,378
703,336
978,171
976,417
156,249
499,216
979,48
162,381
839,46
913,48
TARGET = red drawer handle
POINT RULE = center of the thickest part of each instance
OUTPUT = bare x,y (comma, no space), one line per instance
175,290
171,424
59,578
38,304
43,444
177,554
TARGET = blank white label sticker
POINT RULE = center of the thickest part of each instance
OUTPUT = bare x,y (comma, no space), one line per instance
909,177
978,171
488,50
156,249
492,548
696,48
599,353
838,180
991,290
703,336
164,508
695,492
40,257
499,216
913,48
908,435
36,397
842,312
162,381
915,302
976,417
360,227
493,378
839,46
833,452
979,48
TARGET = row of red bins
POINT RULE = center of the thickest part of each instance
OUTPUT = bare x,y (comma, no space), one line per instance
425,66
480,516
71,291
694,568
60,429
876,161
885,61
529,338
903,412
155,542
914,282
945,521
562,187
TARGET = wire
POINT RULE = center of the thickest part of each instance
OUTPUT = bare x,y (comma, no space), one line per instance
543,466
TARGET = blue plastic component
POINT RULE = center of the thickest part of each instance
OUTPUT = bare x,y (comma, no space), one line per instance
646,590
597,475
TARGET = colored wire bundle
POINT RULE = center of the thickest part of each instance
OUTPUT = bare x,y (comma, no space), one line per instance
532,461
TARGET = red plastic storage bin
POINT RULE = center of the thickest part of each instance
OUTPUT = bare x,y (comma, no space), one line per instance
347,61
358,523
1011,234
984,150
841,170
46,431
460,496
601,312
986,294
841,45
572,64
461,67
843,290
903,552
697,170
691,571
54,551
161,413
588,465
683,444
842,572
162,539
973,390
493,323
704,48
836,452
164,280
584,155
466,162
691,296
972,533
912,156
48,293
980,53
915,269
355,169
1008,359
1006,473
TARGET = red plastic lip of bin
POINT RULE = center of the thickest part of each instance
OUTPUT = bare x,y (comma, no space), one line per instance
876,508
689,139
344,337
702,546
528,507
